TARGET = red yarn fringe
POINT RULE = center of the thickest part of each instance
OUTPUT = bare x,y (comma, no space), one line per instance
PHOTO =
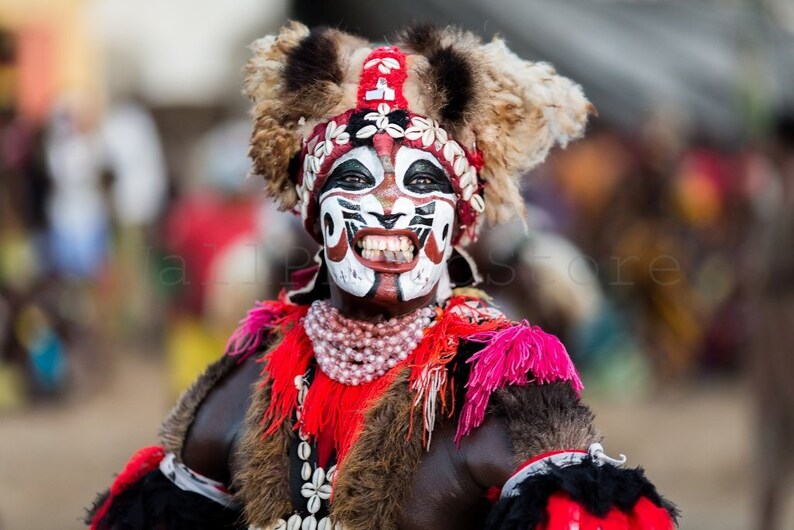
139,464
429,380
285,362
563,511
328,404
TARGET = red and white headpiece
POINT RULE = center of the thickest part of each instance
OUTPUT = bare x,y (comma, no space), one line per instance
485,114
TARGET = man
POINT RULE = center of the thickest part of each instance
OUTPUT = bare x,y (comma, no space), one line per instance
374,395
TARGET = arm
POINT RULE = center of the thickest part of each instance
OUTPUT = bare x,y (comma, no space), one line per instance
202,433
556,488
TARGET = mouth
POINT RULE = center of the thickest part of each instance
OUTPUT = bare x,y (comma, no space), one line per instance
381,250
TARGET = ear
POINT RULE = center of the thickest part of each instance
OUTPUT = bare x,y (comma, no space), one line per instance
293,79
530,109
451,73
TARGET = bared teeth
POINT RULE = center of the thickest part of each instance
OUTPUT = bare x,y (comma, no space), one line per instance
394,249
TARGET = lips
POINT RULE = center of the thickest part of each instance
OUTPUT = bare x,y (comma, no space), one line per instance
392,251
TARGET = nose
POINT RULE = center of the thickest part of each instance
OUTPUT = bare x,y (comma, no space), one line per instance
387,221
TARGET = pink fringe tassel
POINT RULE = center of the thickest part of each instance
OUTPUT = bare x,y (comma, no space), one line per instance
513,356
248,336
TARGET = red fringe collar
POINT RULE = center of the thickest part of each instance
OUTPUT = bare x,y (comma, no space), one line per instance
513,354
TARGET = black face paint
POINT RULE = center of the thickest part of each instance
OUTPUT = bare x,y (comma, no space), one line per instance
350,175
425,177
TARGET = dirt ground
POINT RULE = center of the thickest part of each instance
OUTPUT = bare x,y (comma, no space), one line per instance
694,443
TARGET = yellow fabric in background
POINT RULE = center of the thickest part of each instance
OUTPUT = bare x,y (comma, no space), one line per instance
190,347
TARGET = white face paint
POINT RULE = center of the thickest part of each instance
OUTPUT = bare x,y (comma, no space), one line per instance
387,232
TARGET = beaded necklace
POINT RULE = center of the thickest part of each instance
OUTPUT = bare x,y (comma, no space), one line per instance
354,352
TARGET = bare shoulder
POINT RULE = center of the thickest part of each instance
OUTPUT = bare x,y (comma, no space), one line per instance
216,425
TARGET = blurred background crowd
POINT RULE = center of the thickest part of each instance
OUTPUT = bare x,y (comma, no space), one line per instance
659,247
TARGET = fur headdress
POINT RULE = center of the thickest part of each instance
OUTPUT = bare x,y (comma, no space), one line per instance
487,115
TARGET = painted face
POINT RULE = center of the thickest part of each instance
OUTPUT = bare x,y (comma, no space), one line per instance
387,217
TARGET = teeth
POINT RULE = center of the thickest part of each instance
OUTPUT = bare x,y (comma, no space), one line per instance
394,249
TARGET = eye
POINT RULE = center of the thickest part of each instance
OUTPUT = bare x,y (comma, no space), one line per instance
351,175
425,177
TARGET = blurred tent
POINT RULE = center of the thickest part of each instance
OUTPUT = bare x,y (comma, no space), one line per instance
720,65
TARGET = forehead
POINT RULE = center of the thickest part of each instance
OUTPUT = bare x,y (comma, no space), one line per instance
401,158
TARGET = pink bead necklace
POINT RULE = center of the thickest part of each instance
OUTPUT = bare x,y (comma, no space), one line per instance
354,352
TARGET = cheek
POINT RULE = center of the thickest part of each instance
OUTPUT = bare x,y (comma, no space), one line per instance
332,221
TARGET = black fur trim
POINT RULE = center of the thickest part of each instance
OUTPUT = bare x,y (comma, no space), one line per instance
155,502
452,71
421,37
314,59
596,488
357,121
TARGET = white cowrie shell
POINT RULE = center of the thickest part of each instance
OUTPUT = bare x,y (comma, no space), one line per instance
413,133
441,135
298,381
382,68
466,178
325,524
304,451
366,131
306,471
467,192
395,131
331,475
330,128
302,392
307,490
310,523
383,108
308,180
343,138
325,491
420,122
427,137
318,479
460,165
371,63
294,522
391,62
329,146
313,505
477,203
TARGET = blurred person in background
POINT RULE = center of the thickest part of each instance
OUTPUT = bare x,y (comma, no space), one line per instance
133,159
224,247
771,359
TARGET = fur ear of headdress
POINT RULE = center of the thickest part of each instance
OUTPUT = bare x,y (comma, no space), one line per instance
515,110
294,80
530,109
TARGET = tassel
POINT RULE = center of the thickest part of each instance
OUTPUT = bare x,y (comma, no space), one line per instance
139,464
253,329
288,360
511,357
462,316
336,406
